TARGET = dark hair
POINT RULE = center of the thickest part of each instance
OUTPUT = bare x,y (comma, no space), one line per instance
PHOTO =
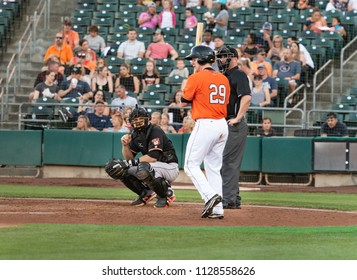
338,19
93,28
96,94
190,9
254,38
131,29
266,119
258,77
208,31
331,115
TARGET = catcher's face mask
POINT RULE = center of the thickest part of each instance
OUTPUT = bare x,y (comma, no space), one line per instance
140,124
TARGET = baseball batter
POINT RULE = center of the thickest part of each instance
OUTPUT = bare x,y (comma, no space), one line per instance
208,91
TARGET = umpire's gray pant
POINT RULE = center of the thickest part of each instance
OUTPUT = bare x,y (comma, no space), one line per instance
232,159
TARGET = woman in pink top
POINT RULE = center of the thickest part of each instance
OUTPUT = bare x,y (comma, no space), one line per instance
191,20
315,22
149,18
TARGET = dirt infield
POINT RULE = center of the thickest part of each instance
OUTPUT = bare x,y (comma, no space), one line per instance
115,212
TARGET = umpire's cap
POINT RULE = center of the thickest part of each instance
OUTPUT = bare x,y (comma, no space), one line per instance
203,53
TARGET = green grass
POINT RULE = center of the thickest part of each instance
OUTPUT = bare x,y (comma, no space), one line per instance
343,202
79,242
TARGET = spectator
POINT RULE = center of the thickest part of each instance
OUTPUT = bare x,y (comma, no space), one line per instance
250,49
188,125
260,93
315,22
276,52
299,56
159,49
83,124
74,87
338,5
81,58
164,124
150,75
95,41
126,114
52,66
265,40
102,81
177,113
236,4
46,89
129,81
332,127
53,59
98,120
70,37
131,48
338,27
307,55
101,63
117,121
149,18
155,118
261,59
63,51
123,100
220,22
302,4
270,83
191,20
207,39
88,107
181,69
86,49
191,3
288,69
167,17
218,42
352,5
266,130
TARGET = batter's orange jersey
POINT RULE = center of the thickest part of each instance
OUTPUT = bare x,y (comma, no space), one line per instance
209,92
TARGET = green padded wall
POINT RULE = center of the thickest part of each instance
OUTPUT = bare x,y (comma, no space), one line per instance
21,147
85,148
252,158
287,155
117,145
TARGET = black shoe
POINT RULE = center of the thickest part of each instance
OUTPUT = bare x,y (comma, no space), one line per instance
161,202
231,206
142,200
207,210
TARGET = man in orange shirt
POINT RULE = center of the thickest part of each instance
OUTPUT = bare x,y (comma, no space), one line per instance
70,37
208,91
63,51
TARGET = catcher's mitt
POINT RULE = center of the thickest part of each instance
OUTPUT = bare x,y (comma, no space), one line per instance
117,169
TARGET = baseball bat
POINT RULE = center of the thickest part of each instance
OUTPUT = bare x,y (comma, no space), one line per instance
199,33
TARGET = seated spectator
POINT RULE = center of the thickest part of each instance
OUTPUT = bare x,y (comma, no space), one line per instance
270,83
261,59
126,114
46,89
164,124
54,58
102,80
302,4
250,49
88,107
149,18
87,50
52,66
307,55
218,42
150,75
95,41
159,49
122,100
332,127
117,121
167,17
128,80
338,27
98,120
191,20
220,21
299,56
338,5
191,3
83,124
276,53
266,130
288,69
85,59
207,39
181,69
352,5
155,118
70,37
178,113
131,48
63,51
236,4
315,22
265,40
188,125
74,87
260,93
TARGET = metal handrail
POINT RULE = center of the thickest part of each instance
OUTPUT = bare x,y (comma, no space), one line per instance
309,113
343,63
317,87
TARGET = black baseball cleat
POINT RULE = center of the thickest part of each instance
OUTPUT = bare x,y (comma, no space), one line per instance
161,202
207,210
145,199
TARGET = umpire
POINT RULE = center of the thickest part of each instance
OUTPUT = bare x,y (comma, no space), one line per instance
239,101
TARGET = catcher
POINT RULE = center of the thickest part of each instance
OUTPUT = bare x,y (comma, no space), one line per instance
150,175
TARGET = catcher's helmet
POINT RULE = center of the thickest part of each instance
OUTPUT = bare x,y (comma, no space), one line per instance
203,53
225,52
139,118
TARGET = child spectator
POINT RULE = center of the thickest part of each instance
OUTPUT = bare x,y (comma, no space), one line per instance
164,124
187,125
150,75
155,118
191,20
338,27
167,17
83,124
266,130
181,69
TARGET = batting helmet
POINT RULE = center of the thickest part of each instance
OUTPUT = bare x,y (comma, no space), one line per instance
139,118
228,53
203,53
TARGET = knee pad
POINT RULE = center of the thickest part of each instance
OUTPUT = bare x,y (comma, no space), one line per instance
145,172
134,184
161,187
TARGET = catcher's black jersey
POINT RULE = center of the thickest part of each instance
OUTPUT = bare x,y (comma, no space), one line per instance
154,143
